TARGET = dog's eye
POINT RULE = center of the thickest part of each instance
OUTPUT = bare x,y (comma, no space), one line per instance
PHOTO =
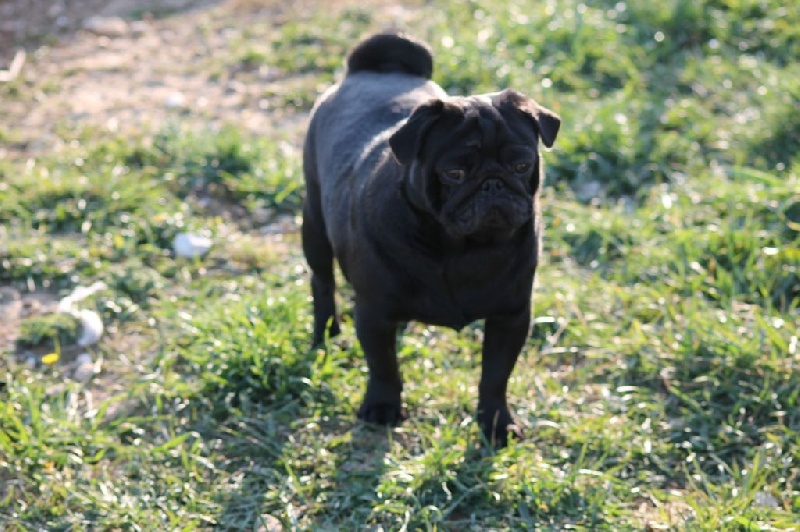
521,168
453,176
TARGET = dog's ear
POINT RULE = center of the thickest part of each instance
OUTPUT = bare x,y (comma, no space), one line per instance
547,122
407,140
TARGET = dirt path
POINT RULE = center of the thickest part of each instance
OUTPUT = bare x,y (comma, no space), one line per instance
165,59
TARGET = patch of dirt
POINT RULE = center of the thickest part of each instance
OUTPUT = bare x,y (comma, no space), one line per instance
28,22
675,512
155,71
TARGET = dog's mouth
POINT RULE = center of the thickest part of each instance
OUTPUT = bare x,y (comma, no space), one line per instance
495,218
484,215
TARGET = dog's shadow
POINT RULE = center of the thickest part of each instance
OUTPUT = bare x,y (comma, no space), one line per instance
303,459
360,467
350,466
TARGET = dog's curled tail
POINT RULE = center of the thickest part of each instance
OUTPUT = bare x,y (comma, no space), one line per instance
391,52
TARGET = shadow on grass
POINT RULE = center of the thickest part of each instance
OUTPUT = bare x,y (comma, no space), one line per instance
777,149
294,453
328,477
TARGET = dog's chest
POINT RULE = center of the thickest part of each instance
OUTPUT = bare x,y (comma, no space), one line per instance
464,289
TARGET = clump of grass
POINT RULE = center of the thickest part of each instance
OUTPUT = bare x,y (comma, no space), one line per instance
48,331
35,261
225,164
236,373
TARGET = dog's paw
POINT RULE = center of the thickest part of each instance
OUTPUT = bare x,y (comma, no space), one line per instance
498,437
381,413
319,334
498,427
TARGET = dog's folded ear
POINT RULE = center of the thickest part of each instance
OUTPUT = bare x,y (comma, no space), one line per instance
547,122
407,140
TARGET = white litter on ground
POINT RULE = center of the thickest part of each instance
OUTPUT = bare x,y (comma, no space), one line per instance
67,305
91,327
189,245
91,323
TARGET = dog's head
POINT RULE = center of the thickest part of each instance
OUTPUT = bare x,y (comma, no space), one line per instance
473,162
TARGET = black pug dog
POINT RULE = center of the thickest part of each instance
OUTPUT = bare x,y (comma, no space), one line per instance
429,203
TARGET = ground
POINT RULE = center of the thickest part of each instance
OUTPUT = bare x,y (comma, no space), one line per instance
658,389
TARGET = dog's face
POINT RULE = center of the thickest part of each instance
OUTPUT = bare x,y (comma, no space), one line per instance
473,162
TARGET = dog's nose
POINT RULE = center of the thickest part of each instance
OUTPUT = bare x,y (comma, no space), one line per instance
492,185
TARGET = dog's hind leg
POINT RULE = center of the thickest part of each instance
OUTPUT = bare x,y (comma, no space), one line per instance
319,255
378,338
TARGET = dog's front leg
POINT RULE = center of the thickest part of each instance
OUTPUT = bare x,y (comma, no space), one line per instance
503,340
378,337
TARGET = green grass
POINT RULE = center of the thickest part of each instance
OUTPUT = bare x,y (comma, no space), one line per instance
47,331
660,387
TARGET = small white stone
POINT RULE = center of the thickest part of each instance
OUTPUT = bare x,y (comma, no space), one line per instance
106,26
84,368
189,245
91,327
175,100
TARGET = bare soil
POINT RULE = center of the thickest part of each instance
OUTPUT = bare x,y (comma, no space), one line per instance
30,22
174,60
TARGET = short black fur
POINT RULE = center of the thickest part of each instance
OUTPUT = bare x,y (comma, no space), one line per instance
391,52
